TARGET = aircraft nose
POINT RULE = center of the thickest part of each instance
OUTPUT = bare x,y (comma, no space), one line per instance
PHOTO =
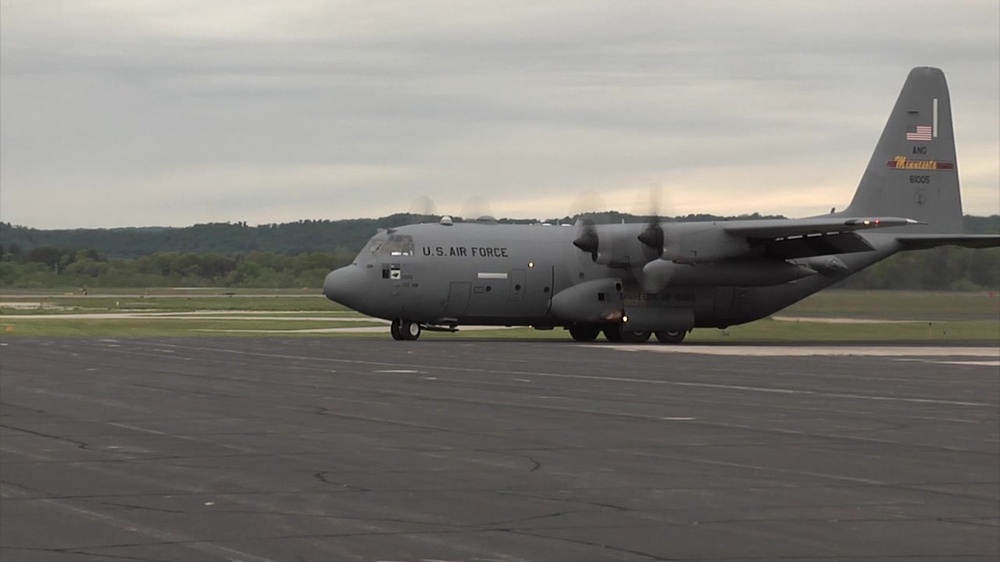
345,285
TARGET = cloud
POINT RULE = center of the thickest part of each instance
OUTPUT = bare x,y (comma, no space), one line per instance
523,104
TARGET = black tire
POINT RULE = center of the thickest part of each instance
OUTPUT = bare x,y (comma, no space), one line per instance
671,336
396,329
584,332
410,330
635,337
613,333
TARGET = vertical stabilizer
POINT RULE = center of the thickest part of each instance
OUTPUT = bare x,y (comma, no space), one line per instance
913,172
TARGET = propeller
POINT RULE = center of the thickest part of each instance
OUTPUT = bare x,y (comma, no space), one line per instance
652,236
587,239
476,209
423,207
657,271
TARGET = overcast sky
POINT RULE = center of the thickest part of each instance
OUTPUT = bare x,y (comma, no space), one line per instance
172,113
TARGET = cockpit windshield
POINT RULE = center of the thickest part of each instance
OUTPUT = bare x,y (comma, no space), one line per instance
397,245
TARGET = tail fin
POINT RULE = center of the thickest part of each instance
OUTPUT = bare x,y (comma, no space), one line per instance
913,172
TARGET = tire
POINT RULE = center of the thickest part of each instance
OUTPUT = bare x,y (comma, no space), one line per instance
584,332
635,337
396,329
671,336
410,330
613,333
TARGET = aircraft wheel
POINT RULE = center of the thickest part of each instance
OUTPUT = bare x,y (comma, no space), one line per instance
396,329
635,337
584,332
671,336
410,330
613,333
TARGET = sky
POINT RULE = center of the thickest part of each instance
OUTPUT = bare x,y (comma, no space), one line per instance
121,113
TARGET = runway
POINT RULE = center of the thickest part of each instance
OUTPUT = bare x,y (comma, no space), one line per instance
319,449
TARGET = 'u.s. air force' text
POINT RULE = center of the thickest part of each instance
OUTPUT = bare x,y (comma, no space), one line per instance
467,251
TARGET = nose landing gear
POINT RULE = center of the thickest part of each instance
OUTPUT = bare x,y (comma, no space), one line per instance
404,330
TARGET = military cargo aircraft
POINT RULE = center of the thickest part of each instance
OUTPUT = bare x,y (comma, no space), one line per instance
629,281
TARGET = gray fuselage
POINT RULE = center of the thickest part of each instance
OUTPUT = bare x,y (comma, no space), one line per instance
498,274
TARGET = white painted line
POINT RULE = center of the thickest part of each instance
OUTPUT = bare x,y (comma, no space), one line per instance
367,330
225,315
811,351
837,320
975,363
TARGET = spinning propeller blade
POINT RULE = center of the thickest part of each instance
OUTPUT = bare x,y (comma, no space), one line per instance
652,236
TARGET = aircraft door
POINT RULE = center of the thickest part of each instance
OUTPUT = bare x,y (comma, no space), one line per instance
531,290
458,299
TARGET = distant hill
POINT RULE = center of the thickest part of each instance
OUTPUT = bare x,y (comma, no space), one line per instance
288,238
212,238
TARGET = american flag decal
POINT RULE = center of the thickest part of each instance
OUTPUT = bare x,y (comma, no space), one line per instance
923,133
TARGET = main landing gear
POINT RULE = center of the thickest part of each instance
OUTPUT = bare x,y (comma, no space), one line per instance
584,332
616,333
671,336
404,330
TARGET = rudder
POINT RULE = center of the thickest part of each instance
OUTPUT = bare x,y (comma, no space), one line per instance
913,172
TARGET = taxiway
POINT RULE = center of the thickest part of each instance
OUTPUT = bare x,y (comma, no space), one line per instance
459,450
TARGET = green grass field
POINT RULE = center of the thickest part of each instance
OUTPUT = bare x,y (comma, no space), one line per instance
911,316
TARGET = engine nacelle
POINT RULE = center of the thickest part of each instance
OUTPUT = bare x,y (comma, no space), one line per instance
596,301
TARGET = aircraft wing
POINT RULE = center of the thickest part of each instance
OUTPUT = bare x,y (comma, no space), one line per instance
817,236
786,228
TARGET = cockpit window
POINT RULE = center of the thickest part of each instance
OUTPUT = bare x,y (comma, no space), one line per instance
398,245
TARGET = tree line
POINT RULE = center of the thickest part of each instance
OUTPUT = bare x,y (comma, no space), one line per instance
212,238
47,267
44,267
291,238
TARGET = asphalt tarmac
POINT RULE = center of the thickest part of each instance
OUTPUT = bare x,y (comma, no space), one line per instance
474,451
